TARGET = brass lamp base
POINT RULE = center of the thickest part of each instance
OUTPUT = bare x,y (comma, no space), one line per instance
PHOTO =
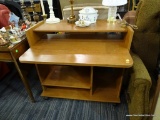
71,19
44,17
36,17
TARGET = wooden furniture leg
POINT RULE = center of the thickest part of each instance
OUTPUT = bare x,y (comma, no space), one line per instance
25,82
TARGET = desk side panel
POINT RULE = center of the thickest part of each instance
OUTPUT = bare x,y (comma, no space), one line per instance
128,38
32,36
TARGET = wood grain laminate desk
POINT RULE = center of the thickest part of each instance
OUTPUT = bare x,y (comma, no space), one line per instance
84,63
12,54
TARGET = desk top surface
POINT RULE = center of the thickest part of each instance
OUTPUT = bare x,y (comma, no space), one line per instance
82,51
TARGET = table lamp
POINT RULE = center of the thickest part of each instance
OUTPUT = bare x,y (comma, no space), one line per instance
52,18
112,8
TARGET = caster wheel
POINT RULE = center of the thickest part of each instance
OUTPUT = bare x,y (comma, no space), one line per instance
115,104
45,98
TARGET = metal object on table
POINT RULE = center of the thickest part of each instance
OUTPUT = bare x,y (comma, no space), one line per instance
71,18
124,23
3,42
35,15
25,14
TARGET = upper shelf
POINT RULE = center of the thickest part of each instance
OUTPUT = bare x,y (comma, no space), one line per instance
63,26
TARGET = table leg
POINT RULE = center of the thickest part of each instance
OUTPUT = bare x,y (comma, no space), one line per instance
25,82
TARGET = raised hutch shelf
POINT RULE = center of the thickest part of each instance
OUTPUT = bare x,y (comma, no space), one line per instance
81,63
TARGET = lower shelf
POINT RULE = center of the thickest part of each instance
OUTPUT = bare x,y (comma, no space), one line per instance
101,84
100,95
68,76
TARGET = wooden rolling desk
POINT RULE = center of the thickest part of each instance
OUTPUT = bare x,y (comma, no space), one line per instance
86,65
11,55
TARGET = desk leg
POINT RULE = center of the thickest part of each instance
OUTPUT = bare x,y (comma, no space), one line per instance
25,82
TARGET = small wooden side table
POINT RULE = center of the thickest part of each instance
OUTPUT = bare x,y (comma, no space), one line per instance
11,54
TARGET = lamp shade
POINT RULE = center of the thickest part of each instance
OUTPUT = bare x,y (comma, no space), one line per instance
114,2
